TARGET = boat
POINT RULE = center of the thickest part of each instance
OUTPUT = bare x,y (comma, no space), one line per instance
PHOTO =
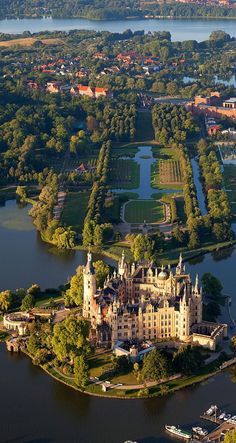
227,417
211,410
222,416
200,431
178,432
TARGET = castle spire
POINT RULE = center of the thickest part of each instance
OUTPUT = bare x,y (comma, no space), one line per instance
89,269
196,283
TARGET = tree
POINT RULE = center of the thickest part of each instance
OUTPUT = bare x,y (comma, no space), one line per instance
33,344
21,193
102,271
6,299
81,371
188,360
155,366
211,285
142,247
27,302
74,294
41,356
233,343
230,437
70,338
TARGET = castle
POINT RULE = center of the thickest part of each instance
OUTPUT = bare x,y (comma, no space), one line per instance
145,302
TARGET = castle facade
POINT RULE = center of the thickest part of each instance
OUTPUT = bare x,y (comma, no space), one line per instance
141,302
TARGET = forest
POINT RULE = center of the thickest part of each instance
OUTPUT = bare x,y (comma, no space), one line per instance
110,9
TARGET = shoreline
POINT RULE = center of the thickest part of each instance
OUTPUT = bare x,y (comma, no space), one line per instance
82,17
191,381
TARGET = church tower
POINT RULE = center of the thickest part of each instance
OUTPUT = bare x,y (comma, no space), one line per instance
89,286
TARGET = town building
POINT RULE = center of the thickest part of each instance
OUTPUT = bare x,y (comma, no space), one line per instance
90,91
213,106
143,302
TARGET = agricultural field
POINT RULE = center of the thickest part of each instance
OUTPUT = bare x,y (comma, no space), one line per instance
230,186
170,172
167,172
136,211
29,41
123,174
75,209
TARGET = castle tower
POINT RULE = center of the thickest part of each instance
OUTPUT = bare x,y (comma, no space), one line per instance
184,316
197,303
122,265
89,286
180,268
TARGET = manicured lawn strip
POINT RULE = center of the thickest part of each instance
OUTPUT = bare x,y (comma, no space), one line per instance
144,126
230,186
124,174
75,209
180,209
44,301
139,210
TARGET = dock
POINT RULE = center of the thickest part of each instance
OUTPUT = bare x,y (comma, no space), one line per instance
219,431
211,418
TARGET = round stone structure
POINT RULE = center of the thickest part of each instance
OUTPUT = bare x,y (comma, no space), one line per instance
17,321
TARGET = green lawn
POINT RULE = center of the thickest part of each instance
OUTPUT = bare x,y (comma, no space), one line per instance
230,186
124,174
180,209
144,127
99,363
139,210
75,209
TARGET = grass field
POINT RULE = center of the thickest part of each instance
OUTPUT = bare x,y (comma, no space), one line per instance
29,41
180,209
230,186
124,174
75,209
137,211
144,127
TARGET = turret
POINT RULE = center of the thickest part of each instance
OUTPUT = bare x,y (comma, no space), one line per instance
89,286
122,266
180,268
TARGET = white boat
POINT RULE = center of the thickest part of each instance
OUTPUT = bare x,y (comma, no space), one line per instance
222,416
200,431
178,432
211,410
227,417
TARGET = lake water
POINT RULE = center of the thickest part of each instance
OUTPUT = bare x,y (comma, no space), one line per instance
25,259
181,29
36,408
229,82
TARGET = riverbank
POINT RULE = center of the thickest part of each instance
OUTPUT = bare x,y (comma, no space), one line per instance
158,390
115,19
